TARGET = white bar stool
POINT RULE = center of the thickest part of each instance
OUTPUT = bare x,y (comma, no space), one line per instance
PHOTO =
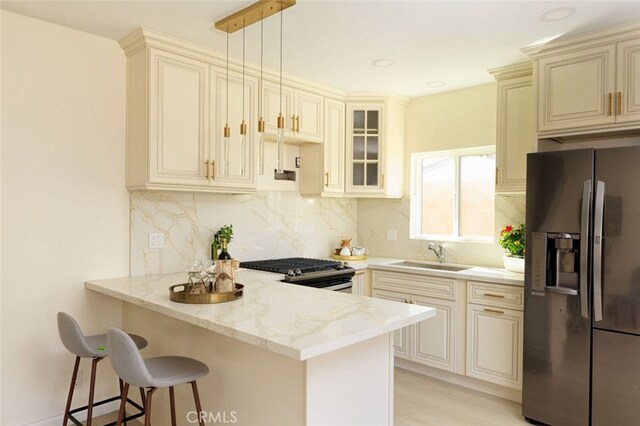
94,347
152,373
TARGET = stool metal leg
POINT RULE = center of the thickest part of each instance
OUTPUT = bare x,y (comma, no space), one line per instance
172,400
123,403
73,385
147,416
196,398
92,388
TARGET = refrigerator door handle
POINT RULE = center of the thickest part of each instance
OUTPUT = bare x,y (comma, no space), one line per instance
598,218
584,248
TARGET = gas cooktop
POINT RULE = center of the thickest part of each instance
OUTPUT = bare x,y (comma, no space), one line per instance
305,271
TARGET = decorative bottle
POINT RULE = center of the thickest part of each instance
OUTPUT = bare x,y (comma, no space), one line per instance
224,255
214,246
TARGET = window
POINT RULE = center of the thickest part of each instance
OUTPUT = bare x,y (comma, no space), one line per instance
452,194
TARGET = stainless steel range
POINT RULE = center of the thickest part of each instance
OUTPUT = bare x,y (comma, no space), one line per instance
319,273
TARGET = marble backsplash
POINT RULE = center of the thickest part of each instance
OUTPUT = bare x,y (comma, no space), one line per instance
376,216
266,225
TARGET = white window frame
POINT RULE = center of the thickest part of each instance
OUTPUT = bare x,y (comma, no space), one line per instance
415,214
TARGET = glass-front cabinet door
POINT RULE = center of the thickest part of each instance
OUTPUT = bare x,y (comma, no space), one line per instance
365,138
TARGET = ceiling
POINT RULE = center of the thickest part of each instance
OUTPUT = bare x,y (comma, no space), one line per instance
335,42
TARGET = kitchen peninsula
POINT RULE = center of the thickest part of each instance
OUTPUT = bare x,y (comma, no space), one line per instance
280,355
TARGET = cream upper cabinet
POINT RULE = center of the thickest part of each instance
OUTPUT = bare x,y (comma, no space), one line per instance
516,129
588,84
302,112
628,78
375,147
495,333
577,89
322,167
234,159
176,104
167,111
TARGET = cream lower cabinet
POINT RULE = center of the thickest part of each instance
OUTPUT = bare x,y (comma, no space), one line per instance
401,336
361,283
494,333
433,342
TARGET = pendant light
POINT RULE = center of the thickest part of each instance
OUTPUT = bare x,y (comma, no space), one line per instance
261,119
280,132
227,129
243,125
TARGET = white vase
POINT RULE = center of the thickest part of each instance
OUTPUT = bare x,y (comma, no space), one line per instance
513,264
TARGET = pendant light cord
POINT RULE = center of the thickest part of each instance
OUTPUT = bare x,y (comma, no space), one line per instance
261,60
227,77
280,58
243,27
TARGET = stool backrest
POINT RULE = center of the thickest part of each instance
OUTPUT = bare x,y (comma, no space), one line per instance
72,337
126,360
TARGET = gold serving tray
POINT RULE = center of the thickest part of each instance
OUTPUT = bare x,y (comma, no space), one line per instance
180,295
338,257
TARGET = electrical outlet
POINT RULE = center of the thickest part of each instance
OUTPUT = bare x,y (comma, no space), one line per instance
79,379
392,234
156,240
297,162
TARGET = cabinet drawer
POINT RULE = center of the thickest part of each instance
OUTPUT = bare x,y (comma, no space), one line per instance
442,288
495,295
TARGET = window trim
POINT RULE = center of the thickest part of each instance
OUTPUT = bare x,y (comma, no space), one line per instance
415,199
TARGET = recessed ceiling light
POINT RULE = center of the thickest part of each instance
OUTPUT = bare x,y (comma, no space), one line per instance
558,14
434,84
383,63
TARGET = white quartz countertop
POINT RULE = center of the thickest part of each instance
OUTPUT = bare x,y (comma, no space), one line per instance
291,320
481,273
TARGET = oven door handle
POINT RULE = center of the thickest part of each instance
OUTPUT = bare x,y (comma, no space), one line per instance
338,287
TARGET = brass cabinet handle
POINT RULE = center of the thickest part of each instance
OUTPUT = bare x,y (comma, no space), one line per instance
382,181
297,124
206,169
498,296
497,171
213,169
610,102
495,311
293,123
619,109
326,179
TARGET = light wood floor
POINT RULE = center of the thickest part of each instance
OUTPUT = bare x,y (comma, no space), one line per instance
423,401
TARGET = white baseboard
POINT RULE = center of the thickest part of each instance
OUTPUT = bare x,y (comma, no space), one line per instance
458,379
101,410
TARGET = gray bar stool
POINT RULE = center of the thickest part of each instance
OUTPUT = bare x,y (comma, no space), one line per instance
152,373
94,347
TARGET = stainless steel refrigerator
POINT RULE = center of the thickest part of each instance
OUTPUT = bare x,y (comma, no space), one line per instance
582,288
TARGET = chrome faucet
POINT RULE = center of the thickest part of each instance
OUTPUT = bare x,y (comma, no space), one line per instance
439,251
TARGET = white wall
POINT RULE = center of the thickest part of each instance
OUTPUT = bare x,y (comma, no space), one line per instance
65,209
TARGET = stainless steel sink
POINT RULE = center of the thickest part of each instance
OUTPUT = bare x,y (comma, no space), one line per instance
434,266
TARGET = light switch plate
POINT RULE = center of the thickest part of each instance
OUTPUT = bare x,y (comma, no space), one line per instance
392,234
156,240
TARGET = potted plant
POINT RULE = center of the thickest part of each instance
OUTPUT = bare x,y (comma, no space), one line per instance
513,241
